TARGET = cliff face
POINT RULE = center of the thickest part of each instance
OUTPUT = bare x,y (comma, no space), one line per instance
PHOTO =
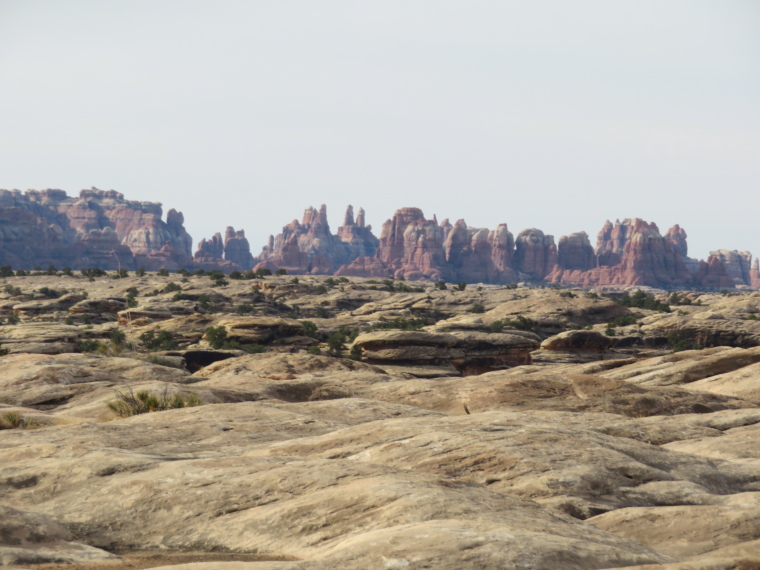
99,228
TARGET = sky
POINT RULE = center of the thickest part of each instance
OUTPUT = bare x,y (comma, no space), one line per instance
542,113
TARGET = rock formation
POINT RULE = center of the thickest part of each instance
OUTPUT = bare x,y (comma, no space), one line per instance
310,247
99,228
738,264
535,254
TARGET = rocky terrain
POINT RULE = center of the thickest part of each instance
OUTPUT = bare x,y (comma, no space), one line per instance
199,421
100,229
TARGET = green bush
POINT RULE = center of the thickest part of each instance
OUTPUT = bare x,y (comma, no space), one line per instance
254,348
643,301
13,291
679,343
281,271
310,329
217,336
163,272
13,319
520,323
6,271
322,313
162,340
314,349
624,321
171,287
245,309
478,308
461,286
401,324
568,294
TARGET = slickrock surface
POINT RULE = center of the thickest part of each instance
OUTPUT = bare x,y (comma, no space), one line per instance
358,424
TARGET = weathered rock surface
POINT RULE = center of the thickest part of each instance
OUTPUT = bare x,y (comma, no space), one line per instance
639,457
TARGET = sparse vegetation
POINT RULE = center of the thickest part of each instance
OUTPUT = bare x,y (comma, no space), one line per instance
643,301
129,403
158,340
478,308
14,420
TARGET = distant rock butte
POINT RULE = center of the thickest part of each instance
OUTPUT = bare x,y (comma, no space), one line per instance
102,229
98,229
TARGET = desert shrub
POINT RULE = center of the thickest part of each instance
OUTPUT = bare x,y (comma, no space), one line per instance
236,275
335,344
160,340
461,286
262,272
521,323
217,338
478,308
14,420
356,352
679,343
163,272
343,280
3,351
401,323
310,329
21,273
676,299
244,309
322,313
93,272
13,291
121,274
624,321
281,271
254,348
129,403
314,349
13,319
643,301
140,272
171,287
752,317
49,293
294,281
389,284
90,345
6,271
568,294
610,331
320,290
496,327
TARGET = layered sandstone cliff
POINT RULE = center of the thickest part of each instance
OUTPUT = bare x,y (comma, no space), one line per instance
98,228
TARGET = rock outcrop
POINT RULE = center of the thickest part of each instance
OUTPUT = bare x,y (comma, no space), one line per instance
535,254
737,264
233,253
97,229
310,247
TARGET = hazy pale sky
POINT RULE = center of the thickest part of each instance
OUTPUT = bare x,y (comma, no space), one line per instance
548,114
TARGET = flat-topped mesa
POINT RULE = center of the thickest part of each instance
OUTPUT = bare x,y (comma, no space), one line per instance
310,247
46,227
